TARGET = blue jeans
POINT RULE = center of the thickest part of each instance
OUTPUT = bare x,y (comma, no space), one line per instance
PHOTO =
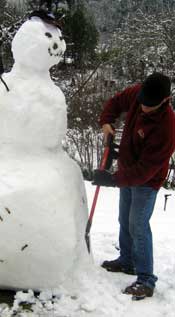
136,249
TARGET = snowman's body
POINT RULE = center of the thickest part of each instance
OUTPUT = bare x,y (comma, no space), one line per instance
43,208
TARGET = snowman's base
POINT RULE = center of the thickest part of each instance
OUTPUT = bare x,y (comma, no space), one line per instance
41,231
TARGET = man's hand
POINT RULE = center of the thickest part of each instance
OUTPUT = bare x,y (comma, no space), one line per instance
107,129
103,178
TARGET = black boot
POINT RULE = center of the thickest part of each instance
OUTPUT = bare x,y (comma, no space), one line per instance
116,266
138,291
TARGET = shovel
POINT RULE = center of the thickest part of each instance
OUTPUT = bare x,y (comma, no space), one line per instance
102,167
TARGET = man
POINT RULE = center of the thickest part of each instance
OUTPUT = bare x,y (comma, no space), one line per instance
147,143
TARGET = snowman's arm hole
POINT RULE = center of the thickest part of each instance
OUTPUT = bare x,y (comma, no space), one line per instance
24,247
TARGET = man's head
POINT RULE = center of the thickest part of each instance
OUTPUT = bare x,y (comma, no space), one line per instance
155,90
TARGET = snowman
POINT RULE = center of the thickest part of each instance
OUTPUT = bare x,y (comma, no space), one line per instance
43,205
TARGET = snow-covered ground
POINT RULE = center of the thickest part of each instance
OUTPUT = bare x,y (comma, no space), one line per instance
105,233
98,293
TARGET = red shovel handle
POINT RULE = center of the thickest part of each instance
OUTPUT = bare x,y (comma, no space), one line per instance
106,152
102,167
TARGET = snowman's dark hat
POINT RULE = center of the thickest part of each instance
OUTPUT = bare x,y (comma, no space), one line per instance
46,17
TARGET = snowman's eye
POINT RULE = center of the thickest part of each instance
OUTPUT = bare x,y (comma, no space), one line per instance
61,38
49,35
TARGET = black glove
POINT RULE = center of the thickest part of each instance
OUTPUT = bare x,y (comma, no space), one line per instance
103,178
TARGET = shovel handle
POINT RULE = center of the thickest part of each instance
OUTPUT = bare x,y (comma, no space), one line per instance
106,151
102,167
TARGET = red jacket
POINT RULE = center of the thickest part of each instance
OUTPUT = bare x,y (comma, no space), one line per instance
147,143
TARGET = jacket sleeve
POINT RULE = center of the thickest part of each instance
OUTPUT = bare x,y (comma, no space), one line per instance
119,103
152,159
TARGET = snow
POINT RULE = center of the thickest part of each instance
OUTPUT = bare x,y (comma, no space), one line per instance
34,41
41,228
97,293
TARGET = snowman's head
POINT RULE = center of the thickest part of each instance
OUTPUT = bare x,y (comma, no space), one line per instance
38,45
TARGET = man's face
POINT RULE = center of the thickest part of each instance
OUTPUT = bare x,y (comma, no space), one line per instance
149,109
146,109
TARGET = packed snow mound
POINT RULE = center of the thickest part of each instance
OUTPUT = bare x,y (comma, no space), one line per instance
43,205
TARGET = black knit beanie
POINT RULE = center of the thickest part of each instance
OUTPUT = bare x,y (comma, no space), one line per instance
154,89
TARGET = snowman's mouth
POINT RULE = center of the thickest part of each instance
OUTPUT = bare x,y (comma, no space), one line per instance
55,54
